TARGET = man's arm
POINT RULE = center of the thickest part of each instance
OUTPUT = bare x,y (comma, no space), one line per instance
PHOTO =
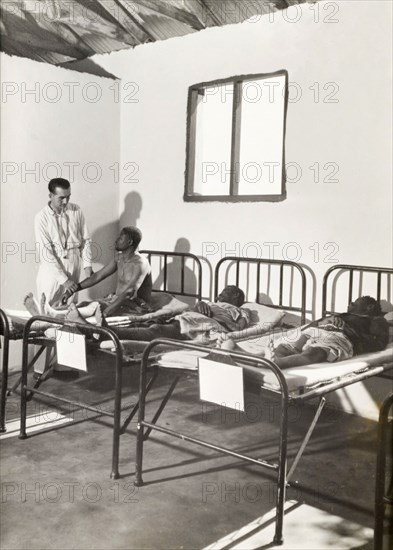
96,278
99,276
203,308
379,334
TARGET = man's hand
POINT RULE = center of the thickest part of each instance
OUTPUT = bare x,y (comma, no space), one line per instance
337,321
70,288
333,321
203,308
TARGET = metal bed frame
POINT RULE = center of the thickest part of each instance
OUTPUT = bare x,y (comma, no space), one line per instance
184,256
382,499
47,344
252,364
44,345
282,264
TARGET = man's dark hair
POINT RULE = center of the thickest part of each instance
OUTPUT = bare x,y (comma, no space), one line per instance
237,293
370,305
58,182
134,234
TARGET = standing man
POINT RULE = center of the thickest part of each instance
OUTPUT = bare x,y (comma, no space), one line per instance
64,241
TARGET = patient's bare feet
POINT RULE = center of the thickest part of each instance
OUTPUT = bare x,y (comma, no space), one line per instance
43,305
270,352
47,309
74,315
100,320
31,305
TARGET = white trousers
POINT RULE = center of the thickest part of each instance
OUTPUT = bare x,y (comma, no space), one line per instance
48,278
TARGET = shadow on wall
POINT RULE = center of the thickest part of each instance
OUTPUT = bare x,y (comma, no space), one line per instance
132,209
104,238
174,274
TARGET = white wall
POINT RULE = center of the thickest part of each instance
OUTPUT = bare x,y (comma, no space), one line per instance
351,56
354,54
70,118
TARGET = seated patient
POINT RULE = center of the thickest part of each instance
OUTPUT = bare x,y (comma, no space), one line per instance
206,320
341,336
133,289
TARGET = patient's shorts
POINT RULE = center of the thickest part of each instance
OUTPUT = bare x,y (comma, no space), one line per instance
335,343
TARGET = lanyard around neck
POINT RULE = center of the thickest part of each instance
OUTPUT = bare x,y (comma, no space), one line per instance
61,231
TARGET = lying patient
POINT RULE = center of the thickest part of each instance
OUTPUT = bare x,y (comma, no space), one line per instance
204,322
341,336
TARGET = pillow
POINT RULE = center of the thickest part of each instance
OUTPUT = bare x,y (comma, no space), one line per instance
263,315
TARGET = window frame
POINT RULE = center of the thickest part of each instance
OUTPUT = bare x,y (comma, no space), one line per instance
235,141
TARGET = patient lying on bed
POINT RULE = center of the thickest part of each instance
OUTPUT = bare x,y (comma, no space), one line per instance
203,323
361,330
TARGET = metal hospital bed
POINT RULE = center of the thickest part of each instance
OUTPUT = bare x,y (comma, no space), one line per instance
29,337
290,387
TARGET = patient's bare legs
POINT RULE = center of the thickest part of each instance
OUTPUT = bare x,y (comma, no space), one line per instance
295,359
75,314
31,305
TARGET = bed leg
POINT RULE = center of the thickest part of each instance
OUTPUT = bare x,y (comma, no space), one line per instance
4,384
282,472
23,393
139,457
117,416
4,378
141,415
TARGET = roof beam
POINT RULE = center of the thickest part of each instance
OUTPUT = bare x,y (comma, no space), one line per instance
173,12
209,11
92,23
114,11
38,54
136,19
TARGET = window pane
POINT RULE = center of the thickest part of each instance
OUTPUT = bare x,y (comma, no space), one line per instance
213,140
261,136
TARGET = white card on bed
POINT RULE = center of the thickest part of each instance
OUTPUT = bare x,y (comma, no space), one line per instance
221,384
71,350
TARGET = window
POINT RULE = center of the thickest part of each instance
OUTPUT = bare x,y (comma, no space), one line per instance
235,139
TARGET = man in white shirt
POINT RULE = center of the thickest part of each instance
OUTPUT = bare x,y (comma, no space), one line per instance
64,241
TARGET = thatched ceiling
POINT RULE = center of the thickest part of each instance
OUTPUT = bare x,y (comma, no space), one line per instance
61,31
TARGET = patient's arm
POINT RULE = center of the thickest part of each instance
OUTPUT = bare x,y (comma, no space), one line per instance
378,338
203,308
94,279
251,332
99,276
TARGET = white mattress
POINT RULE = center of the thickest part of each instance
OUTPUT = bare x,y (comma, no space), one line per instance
299,379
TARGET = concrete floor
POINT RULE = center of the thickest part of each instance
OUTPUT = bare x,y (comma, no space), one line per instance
57,494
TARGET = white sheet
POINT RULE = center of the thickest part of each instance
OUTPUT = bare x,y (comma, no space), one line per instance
298,378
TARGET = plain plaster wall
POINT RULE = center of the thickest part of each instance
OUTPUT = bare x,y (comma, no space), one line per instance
349,61
354,133
70,118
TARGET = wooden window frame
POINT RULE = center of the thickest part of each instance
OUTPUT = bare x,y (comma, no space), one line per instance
233,195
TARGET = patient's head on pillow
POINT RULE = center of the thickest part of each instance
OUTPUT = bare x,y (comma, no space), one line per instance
365,305
232,295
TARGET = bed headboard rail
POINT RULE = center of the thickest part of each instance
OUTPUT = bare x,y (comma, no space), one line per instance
176,269
330,281
236,262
